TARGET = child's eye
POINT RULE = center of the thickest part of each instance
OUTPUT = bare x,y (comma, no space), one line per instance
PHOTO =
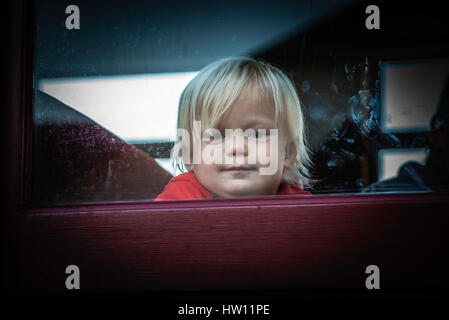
257,134
212,135
213,138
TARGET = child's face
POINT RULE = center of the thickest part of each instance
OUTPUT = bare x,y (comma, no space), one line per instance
237,180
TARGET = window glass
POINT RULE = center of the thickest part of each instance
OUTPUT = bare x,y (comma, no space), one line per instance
108,80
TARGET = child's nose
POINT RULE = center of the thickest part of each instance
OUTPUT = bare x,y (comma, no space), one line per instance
237,145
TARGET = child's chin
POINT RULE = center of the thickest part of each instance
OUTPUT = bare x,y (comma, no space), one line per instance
241,189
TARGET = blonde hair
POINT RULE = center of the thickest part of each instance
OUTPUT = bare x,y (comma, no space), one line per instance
217,86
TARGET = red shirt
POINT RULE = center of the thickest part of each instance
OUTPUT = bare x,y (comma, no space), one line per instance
187,187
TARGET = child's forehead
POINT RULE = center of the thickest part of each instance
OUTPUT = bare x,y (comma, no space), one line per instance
249,108
252,100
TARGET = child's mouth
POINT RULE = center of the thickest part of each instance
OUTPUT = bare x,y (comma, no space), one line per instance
238,168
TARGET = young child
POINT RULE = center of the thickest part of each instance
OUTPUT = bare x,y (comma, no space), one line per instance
242,119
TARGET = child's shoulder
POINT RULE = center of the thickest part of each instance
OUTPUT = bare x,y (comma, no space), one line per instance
286,189
184,187
186,176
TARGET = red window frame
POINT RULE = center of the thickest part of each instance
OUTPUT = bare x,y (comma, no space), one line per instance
319,241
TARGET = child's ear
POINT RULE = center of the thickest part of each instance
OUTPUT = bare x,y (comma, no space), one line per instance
290,155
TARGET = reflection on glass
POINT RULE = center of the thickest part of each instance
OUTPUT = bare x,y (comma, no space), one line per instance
390,160
410,94
433,174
